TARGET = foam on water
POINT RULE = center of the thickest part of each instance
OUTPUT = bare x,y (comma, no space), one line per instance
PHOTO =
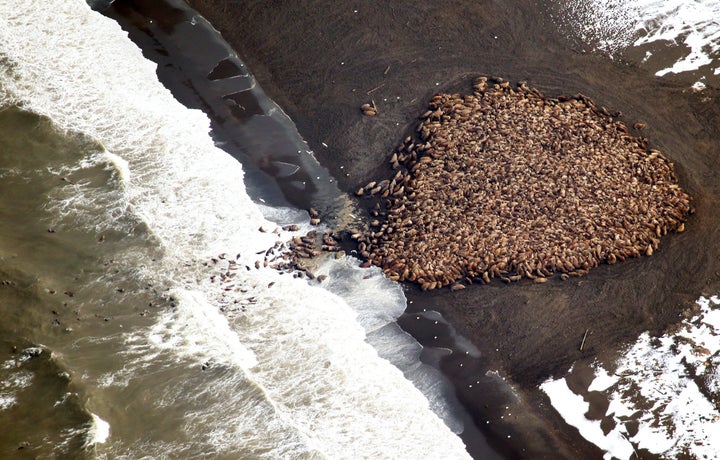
100,204
10,386
292,358
613,26
662,395
99,431
199,332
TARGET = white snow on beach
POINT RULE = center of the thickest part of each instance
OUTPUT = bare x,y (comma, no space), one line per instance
690,29
663,394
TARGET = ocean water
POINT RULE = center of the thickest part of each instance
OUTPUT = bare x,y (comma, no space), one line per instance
135,322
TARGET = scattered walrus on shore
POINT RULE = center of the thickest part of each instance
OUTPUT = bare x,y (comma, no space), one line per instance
506,183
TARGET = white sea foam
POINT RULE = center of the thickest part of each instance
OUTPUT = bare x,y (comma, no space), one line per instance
667,387
614,25
200,332
7,401
99,431
302,381
16,381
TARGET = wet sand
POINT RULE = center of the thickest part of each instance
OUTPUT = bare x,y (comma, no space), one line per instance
322,60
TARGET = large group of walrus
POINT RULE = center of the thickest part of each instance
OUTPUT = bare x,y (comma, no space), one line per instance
507,183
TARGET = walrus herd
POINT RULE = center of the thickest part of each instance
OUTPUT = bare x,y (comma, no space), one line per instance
507,183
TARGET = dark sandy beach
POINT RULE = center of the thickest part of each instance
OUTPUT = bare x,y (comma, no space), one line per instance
321,60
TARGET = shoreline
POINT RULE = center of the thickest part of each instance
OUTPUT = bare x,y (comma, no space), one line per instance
321,66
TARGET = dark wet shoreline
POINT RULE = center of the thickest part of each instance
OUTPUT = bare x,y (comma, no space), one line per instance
321,60
208,76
